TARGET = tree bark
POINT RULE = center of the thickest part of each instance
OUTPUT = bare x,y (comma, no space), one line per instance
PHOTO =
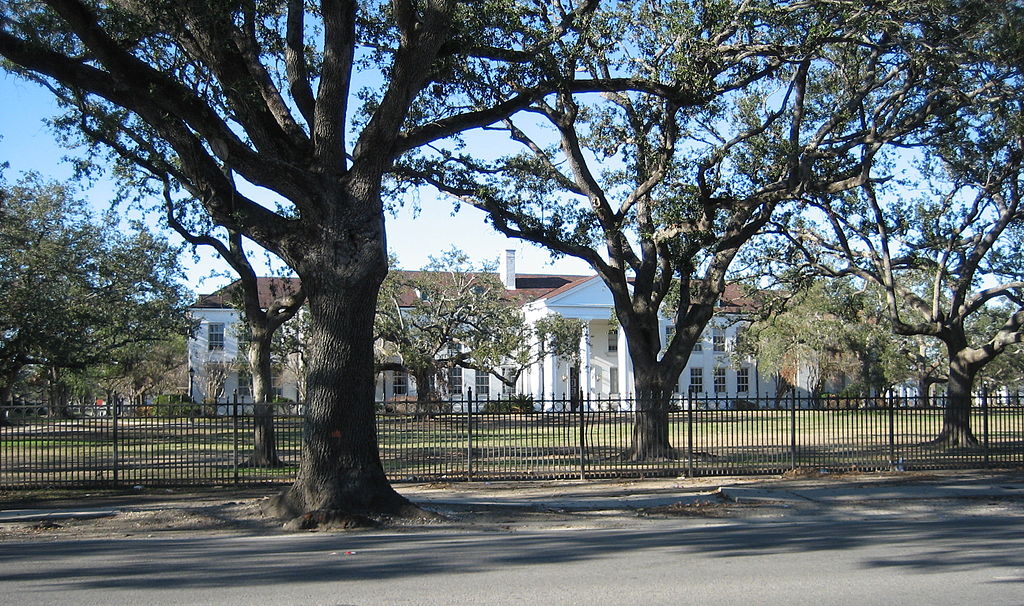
427,398
264,451
956,419
341,479
650,439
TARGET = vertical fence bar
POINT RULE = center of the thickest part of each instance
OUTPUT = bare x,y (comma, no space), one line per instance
689,436
892,430
115,462
792,431
469,435
984,426
234,435
583,437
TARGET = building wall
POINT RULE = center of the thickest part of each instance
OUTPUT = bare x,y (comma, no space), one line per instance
210,363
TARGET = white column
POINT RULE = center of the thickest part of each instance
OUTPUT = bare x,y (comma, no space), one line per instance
625,367
550,377
586,384
537,373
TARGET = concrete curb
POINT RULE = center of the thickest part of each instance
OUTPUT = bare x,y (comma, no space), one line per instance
37,515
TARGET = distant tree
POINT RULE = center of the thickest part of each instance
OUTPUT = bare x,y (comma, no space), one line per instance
454,313
76,292
962,233
141,370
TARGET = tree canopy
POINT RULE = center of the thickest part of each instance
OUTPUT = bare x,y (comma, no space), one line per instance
77,291
943,249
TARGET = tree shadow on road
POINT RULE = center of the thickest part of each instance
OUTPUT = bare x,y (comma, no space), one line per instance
939,544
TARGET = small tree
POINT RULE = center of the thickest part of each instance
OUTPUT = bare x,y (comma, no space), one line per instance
457,314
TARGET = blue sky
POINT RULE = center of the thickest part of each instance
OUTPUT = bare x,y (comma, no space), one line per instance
27,144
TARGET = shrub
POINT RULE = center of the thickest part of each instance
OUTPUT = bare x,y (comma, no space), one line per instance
172,405
519,403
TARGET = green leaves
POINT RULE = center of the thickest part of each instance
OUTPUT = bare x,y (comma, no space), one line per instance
74,290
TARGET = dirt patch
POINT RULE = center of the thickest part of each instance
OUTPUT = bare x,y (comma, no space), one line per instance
242,516
497,506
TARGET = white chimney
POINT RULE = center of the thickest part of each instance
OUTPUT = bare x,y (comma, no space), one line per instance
507,269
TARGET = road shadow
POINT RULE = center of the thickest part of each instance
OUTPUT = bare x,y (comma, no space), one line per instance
938,544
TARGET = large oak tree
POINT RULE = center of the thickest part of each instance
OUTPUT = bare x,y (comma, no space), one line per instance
310,103
946,254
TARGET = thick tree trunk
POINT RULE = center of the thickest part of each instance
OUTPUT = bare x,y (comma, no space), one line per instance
264,452
426,392
924,392
956,419
341,479
650,425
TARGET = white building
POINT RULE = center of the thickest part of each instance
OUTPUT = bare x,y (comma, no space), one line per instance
216,364
604,376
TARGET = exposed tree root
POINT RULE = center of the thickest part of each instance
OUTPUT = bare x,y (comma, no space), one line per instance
390,509
953,438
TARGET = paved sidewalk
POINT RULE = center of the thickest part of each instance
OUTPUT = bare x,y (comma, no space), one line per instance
622,495
637,494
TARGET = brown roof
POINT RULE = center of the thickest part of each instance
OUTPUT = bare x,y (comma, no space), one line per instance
735,299
529,287
269,289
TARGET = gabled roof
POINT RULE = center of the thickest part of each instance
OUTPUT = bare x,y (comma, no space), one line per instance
530,287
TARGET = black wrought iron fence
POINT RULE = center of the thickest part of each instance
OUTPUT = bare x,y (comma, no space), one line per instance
515,438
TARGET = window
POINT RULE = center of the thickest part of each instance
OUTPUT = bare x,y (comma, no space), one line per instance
670,332
276,384
399,383
613,340
455,380
698,347
613,379
483,384
719,381
696,380
215,336
743,380
244,384
718,339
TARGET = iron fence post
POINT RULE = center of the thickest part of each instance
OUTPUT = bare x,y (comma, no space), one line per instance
234,435
115,462
583,462
469,435
984,425
892,429
689,436
792,431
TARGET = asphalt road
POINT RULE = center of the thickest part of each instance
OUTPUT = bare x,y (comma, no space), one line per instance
823,557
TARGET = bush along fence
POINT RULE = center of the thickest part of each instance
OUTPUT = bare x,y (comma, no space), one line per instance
513,438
